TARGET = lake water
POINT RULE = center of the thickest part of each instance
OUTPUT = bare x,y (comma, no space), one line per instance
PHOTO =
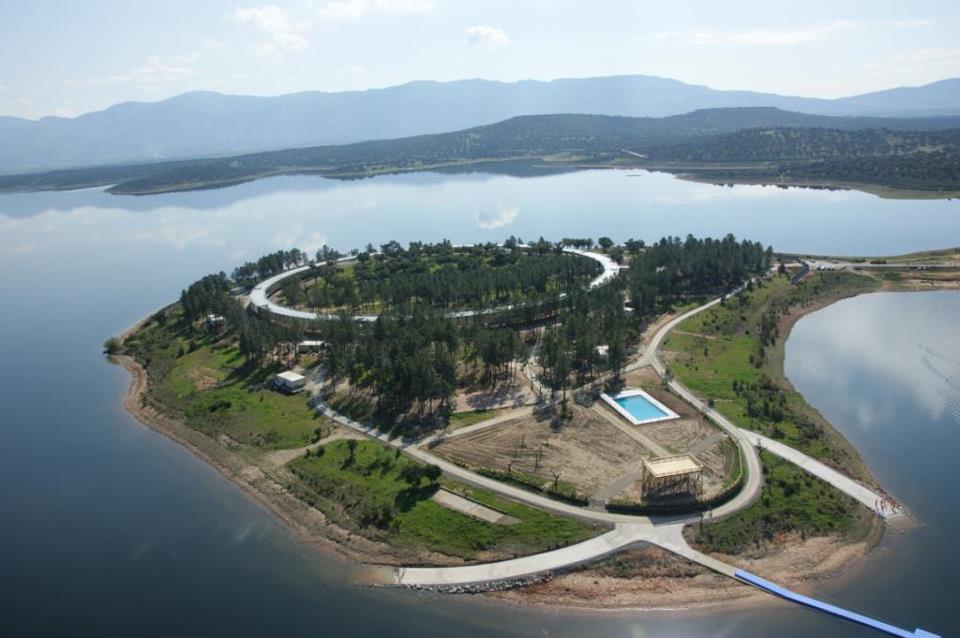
110,529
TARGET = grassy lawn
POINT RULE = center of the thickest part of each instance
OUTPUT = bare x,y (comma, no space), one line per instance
792,501
212,386
364,489
463,419
724,354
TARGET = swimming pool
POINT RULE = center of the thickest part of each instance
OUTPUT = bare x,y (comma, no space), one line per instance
638,407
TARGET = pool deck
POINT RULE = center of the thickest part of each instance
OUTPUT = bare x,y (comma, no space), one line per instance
668,414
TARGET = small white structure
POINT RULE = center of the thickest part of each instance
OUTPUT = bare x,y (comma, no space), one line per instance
289,382
215,322
603,352
308,346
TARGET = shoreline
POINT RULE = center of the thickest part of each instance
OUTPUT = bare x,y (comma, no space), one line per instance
662,593
306,524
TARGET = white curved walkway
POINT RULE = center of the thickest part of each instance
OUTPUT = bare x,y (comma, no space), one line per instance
749,440
663,531
867,497
260,294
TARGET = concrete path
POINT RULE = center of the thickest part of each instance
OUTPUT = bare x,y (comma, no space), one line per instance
259,296
607,492
633,431
845,484
707,443
754,481
278,458
470,477
621,537
448,499
663,531
747,440
509,415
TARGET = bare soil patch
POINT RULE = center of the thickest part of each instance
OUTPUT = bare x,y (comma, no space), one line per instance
587,451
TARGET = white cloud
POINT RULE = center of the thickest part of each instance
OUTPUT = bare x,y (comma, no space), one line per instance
3,88
212,44
490,37
296,237
911,24
354,69
758,37
155,71
283,34
353,10
918,65
287,32
502,215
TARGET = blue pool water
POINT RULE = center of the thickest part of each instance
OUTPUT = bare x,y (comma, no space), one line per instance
640,408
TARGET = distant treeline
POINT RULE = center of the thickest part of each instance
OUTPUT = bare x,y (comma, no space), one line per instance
923,160
811,146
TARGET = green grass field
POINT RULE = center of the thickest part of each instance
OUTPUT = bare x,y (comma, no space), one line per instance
463,419
365,491
792,501
219,394
718,354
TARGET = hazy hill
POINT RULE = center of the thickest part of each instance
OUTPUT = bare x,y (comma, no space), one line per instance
205,124
706,136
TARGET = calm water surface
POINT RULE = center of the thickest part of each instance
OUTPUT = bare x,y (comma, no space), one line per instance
110,529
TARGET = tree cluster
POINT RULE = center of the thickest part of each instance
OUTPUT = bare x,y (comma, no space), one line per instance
273,264
406,359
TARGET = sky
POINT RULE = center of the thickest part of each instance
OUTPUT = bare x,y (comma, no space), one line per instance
69,57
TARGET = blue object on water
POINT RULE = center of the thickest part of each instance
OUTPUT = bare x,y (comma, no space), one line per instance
827,608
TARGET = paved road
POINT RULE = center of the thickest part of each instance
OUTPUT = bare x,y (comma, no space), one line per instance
260,294
747,440
754,482
622,536
509,415
476,480
844,483
663,531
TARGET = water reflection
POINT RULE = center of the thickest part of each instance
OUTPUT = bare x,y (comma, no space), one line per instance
877,337
884,368
283,212
110,529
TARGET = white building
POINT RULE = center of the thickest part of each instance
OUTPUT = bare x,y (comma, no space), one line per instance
289,382
214,322
308,346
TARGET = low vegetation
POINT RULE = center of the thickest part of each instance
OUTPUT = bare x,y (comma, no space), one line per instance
793,502
203,377
383,495
732,355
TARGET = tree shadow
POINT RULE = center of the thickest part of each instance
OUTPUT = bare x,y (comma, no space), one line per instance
408,497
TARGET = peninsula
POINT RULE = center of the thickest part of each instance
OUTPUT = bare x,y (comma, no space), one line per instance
540,421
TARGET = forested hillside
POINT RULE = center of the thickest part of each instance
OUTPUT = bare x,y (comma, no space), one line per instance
900,159
916,153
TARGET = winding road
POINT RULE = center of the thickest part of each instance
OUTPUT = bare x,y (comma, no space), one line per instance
259,296
628,531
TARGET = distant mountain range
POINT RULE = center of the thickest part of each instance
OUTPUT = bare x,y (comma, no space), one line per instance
758,144
206,124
